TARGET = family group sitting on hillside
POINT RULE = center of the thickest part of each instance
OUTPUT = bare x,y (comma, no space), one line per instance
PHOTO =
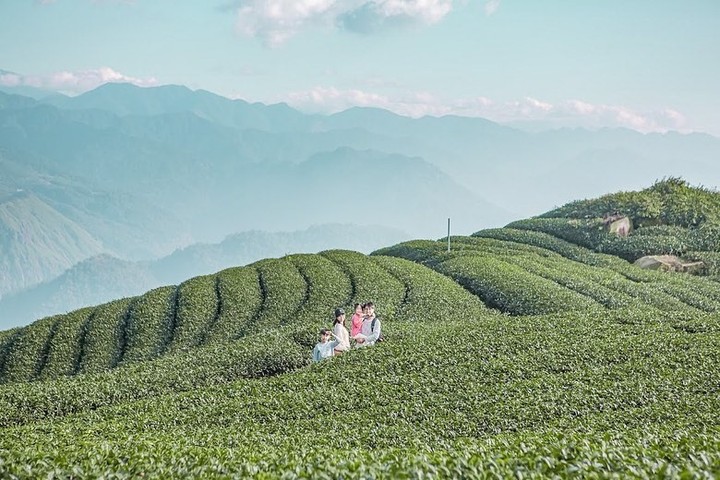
364,331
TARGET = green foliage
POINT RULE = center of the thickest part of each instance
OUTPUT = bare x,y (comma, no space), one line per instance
149,326
513,289
592,235
670,201
603,369
27,353
240,302
327,287
102,336
571,395
545,241
66,345
283,290
586,233
710,259
270,353
500,284
429,296
197,307
369,281
670,218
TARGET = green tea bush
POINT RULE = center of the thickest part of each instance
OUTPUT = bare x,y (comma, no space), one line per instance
511,289
574,277
101,345
429,296
66,345
591,234
681,233
543,240
710,259
7,338
240,302
587,233
644,206
369,282
27,353
671,201
427,252
283,290
637,246
149,326
706,237
269,353
328,286
197,307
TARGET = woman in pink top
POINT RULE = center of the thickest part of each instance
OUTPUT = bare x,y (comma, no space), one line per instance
357,320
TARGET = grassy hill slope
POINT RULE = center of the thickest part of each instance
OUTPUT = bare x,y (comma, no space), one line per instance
36,241
516,354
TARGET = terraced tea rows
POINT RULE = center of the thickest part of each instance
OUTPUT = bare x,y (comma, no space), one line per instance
525,279
408,289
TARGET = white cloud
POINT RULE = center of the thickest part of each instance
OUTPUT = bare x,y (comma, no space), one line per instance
275,21
74,82
571,113
491,6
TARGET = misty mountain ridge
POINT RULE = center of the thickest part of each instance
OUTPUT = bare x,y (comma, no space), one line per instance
36,242
145,171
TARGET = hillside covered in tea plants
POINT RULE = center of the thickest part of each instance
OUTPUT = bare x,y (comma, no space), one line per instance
535,350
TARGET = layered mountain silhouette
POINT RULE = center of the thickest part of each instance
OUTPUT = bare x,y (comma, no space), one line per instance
146,171
37,242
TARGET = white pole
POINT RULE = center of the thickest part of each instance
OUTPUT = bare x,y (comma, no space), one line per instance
448,234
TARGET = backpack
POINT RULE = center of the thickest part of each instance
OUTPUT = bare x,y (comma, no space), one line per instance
372,329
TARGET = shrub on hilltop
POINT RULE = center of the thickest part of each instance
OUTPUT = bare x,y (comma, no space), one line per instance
670,201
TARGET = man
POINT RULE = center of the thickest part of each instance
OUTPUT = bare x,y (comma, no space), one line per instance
325,347
370,331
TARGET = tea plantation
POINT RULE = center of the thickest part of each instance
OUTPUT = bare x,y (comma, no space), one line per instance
531,351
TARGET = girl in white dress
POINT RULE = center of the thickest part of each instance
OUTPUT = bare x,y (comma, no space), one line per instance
341,333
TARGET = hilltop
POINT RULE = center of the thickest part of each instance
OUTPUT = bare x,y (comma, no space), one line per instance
516,353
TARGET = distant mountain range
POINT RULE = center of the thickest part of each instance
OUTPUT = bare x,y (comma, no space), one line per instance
137,173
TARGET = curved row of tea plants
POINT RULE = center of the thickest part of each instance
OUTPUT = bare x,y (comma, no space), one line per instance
481,264
613,287
584,255
165,320
500,284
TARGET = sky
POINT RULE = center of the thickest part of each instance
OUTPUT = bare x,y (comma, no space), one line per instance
650,65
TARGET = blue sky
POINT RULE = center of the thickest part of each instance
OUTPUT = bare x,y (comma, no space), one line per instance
651,65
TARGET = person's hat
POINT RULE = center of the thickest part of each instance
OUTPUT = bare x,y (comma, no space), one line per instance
338,312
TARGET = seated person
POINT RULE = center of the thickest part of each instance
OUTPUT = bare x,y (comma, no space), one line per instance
325,347
340,332
370,330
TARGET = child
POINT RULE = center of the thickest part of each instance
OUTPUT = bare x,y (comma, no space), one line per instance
357,320
324,348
